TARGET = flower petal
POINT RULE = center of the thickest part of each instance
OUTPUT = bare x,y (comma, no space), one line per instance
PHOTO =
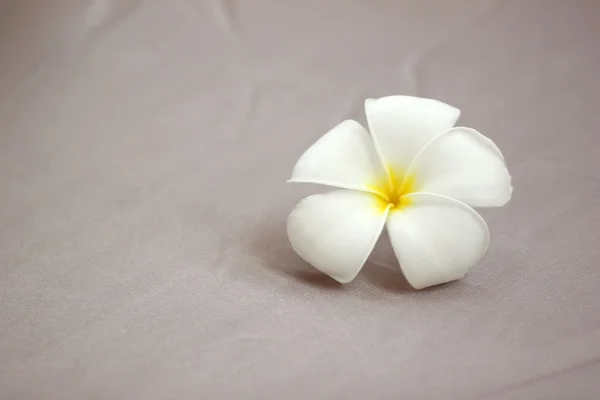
463,164
344,157
336,231
436,239
402,125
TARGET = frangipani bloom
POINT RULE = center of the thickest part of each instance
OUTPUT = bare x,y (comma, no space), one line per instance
415,174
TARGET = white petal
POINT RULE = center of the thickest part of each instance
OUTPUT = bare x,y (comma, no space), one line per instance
344,157
402,125
463,164
436,239
336,231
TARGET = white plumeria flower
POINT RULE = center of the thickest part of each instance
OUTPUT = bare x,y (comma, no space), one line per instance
417,174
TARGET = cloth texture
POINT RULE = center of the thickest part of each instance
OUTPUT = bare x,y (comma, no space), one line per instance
144,149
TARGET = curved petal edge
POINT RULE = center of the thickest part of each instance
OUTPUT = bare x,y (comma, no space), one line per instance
335,232
436,239
344,157
463,164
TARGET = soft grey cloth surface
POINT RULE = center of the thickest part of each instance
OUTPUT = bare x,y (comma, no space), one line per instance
144,147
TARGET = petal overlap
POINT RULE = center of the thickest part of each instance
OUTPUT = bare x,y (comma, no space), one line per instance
465,165
402,125
344,157
414,173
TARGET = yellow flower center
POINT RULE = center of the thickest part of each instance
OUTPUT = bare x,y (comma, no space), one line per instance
392,190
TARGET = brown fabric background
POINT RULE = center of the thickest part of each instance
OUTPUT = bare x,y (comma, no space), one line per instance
144,147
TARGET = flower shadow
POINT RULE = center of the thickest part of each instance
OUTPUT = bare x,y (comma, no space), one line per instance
385,277
272,247
382,269
277,256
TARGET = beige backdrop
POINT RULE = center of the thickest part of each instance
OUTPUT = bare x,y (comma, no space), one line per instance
144,147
